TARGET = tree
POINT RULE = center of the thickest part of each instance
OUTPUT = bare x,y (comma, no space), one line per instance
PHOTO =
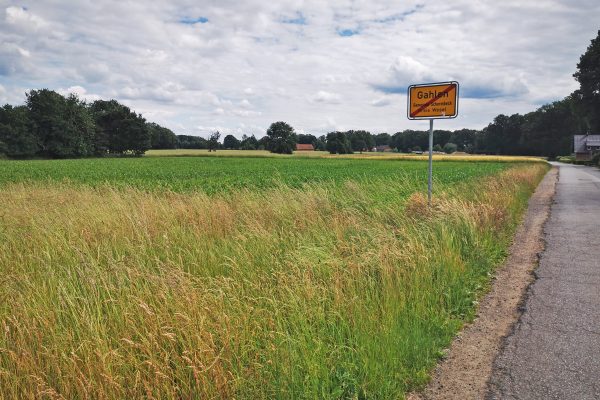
63,126
321,143
213,141
450,148
123,130
16,138
549,130
307,139
191,142
249,142
410,139
441,137
231,142
161,137
437,147
281,138
588,76
361,140
338,142
464,139
504,135
263,143
382,139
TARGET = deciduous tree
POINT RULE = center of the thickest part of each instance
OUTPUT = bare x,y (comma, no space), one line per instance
231,142
588,76
281,138
213,141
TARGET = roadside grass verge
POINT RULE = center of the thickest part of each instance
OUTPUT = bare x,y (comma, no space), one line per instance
319,291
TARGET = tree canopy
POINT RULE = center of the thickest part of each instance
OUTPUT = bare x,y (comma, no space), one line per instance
338,142
281,138
231,142
123,131
161,137
588,76
213,141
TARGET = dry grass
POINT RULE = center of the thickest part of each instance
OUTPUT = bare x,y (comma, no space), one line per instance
324,154
445,157
314,293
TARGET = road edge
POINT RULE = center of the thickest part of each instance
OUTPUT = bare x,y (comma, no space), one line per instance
468,365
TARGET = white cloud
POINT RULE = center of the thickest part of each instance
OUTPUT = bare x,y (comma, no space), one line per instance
21,18
81,92
246,113
381,102
326,97
245,104
256,62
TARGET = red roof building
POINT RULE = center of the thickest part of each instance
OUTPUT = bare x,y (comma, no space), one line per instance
305,147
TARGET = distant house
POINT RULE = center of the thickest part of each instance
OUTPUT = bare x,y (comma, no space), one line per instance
383,148
305,147
585,146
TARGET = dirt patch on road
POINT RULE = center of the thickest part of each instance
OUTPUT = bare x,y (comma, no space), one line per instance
465,371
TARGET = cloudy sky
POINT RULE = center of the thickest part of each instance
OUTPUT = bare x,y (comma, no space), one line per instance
237,66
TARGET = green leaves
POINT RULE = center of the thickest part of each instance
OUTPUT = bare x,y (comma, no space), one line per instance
282,138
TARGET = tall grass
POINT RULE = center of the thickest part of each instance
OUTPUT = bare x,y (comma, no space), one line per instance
347,291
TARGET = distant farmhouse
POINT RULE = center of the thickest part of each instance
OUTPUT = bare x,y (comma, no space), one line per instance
383,148
585,146
305,147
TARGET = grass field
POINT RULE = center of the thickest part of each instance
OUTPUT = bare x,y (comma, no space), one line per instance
218,174
250,278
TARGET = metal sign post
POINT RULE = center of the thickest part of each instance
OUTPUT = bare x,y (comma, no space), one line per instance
430,178
432,101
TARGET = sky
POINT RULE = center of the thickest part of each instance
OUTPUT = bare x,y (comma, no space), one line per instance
237,66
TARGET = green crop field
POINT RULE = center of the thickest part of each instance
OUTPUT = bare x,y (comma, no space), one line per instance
246,278
217,174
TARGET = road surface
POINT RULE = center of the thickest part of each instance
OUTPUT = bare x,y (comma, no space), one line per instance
554,349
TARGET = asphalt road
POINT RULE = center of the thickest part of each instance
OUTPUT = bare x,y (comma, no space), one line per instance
554,350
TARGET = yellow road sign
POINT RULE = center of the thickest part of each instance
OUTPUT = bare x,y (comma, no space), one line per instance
433,100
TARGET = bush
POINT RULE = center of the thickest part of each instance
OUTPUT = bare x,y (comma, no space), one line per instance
450,148
566,159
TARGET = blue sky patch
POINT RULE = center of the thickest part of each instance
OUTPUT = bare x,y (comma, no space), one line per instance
401,16
466,92
347,32
298,20
193,21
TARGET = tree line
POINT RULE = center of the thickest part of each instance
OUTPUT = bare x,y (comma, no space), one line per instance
50,125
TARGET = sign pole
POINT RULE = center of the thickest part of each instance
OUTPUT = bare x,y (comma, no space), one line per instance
432,101
430,181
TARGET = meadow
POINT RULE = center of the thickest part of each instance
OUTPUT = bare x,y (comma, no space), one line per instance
247,278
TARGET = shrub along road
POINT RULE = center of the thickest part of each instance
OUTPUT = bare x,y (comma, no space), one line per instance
554,349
